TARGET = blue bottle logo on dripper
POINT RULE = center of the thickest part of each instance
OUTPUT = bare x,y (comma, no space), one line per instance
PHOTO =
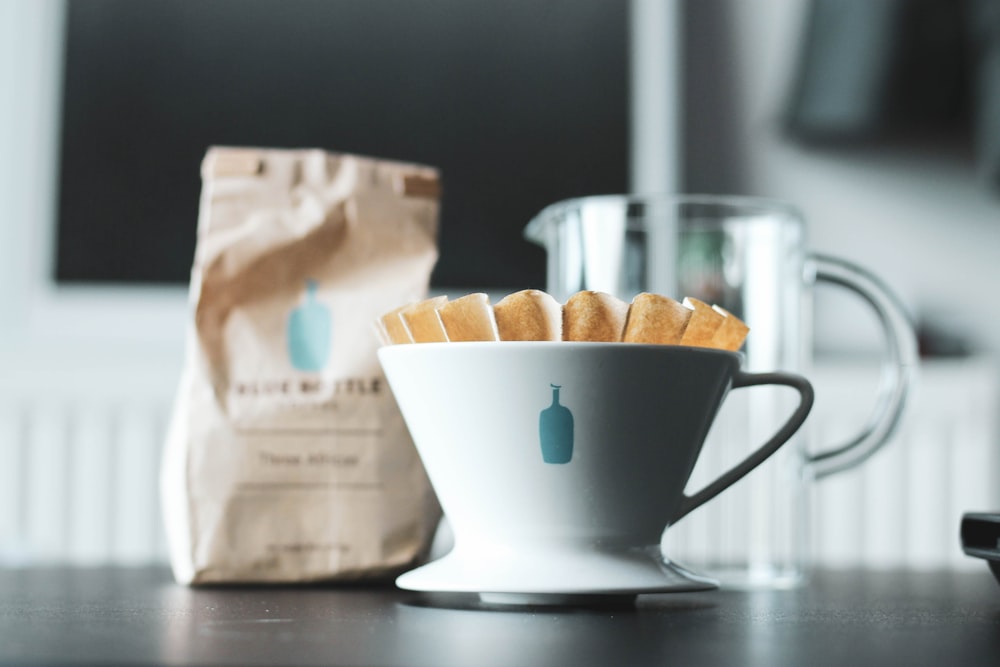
309,332
555,430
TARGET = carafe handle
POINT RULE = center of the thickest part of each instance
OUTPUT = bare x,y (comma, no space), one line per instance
899,367
734,474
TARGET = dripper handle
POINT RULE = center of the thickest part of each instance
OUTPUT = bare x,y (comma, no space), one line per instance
899,367
734,474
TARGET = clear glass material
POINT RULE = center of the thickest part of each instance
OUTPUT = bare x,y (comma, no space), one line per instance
749,256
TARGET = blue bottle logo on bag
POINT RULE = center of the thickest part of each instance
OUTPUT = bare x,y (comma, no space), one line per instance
555,430
309,332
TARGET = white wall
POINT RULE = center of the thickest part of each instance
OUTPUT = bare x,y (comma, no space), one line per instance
922,222
38,321
27,32
86,375
924,225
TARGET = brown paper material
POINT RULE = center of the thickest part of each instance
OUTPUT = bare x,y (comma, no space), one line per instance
287,458
528,315
594,316
657,319
395,328
423,321
704,322
731,333
469,318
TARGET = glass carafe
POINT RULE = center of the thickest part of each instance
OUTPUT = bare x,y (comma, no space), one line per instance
749,256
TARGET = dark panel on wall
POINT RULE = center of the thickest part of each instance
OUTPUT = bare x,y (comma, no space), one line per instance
519,103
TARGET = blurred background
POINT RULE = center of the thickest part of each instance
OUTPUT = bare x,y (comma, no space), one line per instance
881,121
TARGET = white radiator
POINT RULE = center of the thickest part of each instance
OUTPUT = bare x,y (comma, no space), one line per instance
80,443
904,505
80,451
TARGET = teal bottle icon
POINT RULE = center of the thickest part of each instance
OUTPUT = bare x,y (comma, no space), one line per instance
555,430
309,333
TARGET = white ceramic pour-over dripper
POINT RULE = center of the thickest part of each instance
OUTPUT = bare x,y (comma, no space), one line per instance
530,526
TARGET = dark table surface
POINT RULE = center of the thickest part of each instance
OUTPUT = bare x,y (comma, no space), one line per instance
111,616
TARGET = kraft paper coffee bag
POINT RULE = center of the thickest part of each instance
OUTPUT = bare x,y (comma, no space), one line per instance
287,458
